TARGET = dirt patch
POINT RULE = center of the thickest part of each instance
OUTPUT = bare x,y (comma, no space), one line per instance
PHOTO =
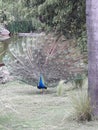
24,107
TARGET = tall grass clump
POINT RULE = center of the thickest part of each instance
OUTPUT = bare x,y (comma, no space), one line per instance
81,106
79,81
60,88
63,87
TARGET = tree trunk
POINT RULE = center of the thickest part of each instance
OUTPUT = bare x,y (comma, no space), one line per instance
92,33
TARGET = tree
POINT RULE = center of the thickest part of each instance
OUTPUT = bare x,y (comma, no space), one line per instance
67,17
92,33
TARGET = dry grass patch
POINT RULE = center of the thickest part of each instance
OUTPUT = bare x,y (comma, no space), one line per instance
81,106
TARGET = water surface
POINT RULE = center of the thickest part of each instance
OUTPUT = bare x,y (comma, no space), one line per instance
4,45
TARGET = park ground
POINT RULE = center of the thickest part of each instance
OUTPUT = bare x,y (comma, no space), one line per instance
24,107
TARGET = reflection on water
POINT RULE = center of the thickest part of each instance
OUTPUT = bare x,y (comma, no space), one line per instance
4,45
3,49
16,42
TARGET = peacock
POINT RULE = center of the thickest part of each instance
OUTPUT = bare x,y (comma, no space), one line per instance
41,84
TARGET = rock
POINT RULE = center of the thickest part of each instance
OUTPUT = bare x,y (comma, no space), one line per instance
5,75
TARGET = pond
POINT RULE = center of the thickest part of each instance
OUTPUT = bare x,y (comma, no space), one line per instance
6,43
4,46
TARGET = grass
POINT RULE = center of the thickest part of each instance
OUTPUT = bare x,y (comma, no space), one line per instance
80,102
37,111
63,87
79,81
60,88
81,106
6,121
79,99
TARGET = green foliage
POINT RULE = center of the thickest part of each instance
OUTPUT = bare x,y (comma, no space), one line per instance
81,42
20,17
37,25
21,26
65,17
78,81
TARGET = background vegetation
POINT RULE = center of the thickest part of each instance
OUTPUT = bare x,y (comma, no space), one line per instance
63,17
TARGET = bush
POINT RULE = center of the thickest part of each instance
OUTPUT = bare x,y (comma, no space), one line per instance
20,26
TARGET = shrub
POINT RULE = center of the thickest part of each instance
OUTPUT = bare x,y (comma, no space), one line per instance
20,26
